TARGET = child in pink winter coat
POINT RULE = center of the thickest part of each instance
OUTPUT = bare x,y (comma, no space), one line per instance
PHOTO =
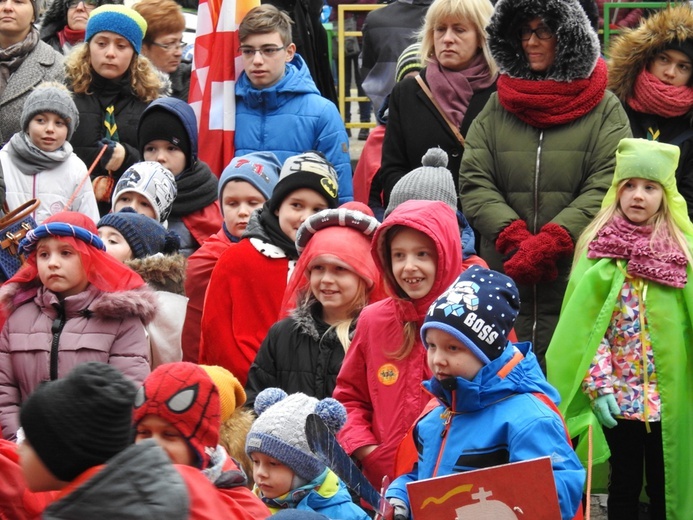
71,303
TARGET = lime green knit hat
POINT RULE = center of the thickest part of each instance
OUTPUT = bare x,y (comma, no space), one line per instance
655,161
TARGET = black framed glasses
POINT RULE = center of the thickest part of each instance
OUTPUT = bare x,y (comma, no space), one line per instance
88,4
542,32
266,52
175,46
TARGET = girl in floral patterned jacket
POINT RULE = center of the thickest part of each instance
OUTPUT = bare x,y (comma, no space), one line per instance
620,354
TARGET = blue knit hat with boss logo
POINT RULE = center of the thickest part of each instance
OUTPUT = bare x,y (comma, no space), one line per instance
479,310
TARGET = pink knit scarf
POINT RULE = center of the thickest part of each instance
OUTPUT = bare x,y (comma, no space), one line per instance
651,96
454,89
662,262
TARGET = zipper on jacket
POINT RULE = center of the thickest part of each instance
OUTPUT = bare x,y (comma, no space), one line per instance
537,165
535,223
444,434
56,329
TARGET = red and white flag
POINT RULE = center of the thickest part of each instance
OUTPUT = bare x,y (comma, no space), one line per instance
215,68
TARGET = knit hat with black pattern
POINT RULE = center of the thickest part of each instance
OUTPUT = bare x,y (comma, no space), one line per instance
118,19
479,310
409,61
81,420
151,180
280,429
307,170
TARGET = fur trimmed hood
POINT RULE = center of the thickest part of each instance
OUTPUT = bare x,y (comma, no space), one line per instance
630,53
140,302
162,272
306,318
577,49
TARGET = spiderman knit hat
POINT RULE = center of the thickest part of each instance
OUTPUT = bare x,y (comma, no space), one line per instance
479,310
183,394
280,429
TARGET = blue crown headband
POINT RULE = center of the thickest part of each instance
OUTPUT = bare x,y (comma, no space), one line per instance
58,229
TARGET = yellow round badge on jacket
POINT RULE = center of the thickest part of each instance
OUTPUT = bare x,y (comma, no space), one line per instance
388,374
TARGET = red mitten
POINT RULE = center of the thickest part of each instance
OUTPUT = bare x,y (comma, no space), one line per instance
536,259
511,237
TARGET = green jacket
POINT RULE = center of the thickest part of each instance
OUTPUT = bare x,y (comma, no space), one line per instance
511,170
587,309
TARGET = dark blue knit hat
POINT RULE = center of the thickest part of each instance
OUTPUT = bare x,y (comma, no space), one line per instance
144,235
118,19
479,310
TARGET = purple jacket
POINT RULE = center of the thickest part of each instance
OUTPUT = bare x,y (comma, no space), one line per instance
98,326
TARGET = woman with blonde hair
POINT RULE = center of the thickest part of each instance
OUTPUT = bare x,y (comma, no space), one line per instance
437,108
112,85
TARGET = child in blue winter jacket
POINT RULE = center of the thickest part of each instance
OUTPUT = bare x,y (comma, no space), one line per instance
278,107
287,474
490,412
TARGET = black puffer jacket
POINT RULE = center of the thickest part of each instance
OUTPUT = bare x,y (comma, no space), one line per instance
91,129
414,125
298,355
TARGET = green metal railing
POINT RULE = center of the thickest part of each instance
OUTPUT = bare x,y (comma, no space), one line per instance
611,6
342,98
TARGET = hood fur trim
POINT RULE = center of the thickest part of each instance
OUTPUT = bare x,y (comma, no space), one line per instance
633,50
162,272
232,437
140,302
577,48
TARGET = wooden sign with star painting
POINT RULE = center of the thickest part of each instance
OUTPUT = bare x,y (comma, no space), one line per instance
519,490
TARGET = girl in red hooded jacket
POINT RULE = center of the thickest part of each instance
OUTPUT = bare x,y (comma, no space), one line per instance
418,250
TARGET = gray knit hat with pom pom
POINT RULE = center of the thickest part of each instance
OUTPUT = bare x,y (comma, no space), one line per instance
279,431
433,181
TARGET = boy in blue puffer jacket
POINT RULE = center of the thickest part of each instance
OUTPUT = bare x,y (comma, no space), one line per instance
495,404
278,107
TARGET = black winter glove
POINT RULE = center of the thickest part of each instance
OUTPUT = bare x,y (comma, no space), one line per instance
108,154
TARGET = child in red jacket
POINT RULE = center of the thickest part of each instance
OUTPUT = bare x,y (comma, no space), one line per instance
245,292
418,250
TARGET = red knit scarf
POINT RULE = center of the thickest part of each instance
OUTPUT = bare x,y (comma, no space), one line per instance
652,96
70,36
546,103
